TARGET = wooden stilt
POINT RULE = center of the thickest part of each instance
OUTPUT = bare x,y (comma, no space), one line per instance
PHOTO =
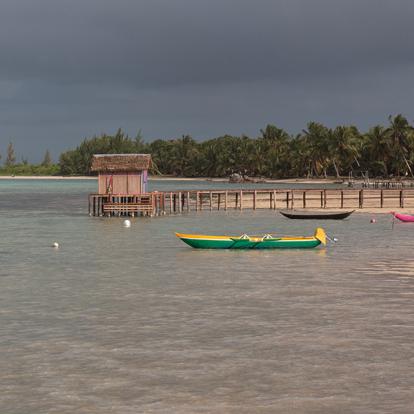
361,198
254,199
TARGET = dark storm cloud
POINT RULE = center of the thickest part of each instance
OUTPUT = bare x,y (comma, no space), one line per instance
69,69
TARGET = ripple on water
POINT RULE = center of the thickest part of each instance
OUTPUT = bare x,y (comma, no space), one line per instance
132,320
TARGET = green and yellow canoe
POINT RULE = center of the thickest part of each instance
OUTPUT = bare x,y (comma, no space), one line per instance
268,241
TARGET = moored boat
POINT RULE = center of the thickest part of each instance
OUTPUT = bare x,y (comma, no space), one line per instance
406,218
316,215
268,241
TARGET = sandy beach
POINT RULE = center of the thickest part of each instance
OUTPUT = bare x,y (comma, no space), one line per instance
169,178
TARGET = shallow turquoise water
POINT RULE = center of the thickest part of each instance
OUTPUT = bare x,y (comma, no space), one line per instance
133,320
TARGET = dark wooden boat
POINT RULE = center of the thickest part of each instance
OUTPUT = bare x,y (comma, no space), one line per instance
317,215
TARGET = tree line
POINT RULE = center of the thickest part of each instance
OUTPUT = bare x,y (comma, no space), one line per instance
317,151
11,167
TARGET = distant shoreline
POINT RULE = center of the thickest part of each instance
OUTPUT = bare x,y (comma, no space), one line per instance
152,178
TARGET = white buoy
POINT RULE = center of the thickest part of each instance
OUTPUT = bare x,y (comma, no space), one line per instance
56,245
127,223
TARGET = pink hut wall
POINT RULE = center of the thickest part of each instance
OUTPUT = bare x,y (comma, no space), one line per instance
122,183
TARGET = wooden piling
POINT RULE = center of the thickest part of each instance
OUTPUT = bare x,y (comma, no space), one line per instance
361,198
186,201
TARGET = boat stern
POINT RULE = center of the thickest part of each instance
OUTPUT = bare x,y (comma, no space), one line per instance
320,235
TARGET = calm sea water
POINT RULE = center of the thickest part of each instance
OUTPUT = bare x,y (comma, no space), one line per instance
134,321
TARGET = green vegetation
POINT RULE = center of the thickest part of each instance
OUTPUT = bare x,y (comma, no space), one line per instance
318,151
24,168
30,169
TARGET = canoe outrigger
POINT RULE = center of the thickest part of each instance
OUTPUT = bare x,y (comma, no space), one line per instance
268,241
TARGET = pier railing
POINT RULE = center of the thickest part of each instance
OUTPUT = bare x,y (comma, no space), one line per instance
172,202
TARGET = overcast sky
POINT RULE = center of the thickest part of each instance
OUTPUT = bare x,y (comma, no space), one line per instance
70,69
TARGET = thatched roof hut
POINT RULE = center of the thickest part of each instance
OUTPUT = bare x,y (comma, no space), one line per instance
110,163
121,173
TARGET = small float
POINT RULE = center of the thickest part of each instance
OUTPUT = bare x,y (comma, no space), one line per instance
316,215
406,218
268,241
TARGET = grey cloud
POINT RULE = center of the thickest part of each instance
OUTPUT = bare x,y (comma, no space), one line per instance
72,68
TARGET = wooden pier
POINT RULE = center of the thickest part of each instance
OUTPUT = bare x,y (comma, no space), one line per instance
174,202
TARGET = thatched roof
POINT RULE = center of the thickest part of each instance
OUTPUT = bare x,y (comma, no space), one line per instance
120,162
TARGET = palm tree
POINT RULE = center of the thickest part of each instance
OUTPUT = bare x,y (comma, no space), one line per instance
378,149
274,142
316,138
344,148
400,133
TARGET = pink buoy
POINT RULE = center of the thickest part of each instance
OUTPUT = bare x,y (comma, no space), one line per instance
373,220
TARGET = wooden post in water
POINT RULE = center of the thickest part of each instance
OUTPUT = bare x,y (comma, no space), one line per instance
274,199
382,199
218,201
211,201
287,199
237,200
402,198
270,200
321,199
361,198
254,199
293,200
342,199
304,199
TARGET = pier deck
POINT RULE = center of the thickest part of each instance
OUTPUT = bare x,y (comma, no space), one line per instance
172,202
